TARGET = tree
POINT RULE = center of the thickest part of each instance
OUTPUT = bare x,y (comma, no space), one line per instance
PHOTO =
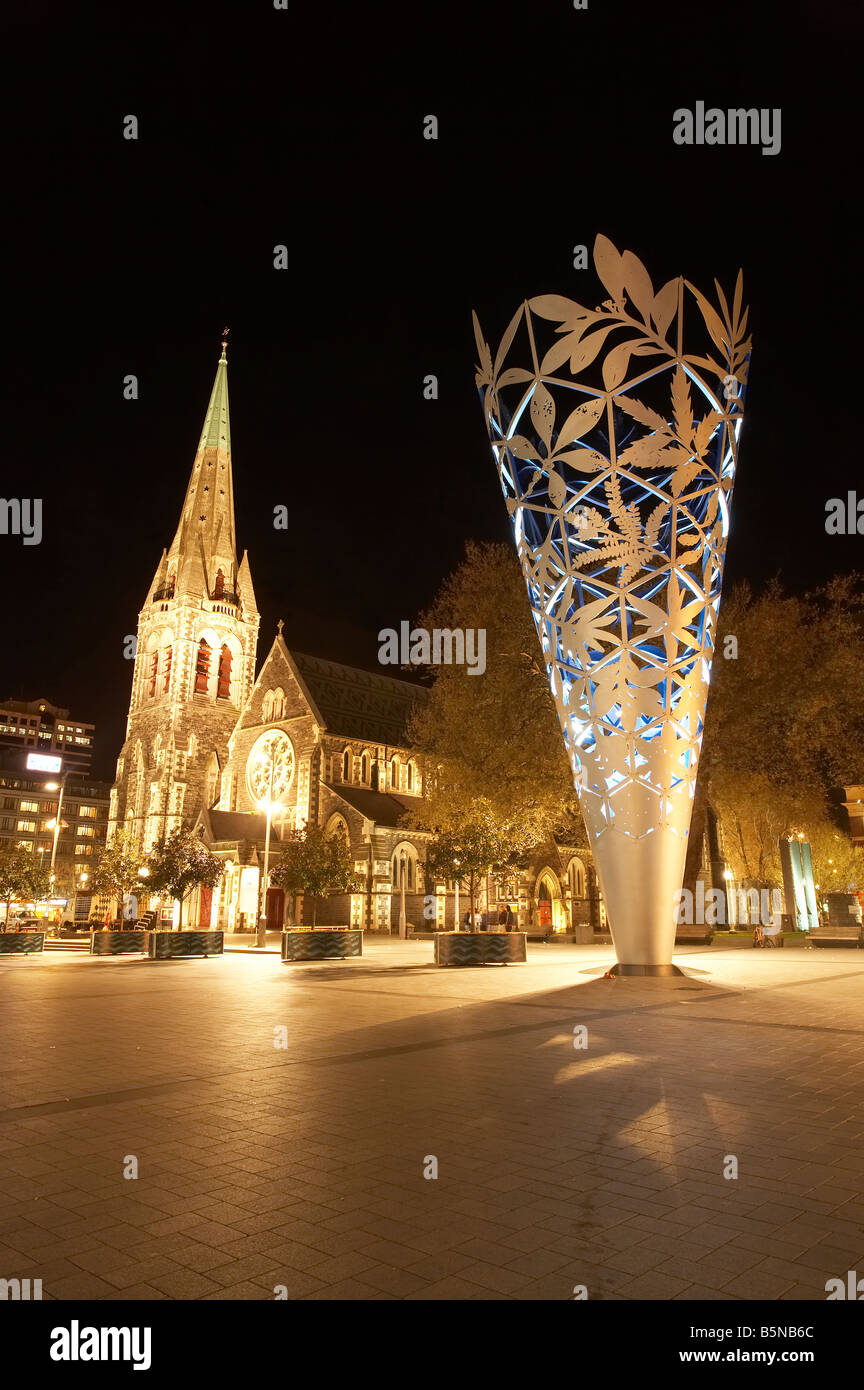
785,722
472,848
181,864
493,737
22,879
313,862
116,871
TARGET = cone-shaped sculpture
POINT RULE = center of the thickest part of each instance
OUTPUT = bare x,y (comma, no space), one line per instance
617,474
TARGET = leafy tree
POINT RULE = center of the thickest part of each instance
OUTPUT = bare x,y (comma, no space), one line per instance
181,864
313,862
472,848
116,870
22,879
785,721
493,738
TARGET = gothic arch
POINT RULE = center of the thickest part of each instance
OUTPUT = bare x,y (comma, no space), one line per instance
412,867
337,822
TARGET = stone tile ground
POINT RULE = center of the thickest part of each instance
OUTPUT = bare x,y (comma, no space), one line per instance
303,1166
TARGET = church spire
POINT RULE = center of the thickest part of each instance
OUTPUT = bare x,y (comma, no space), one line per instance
205,542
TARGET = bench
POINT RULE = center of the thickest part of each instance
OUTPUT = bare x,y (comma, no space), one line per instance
694,935
837,935
177,945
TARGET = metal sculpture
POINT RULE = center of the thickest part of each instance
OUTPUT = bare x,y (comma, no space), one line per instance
620,510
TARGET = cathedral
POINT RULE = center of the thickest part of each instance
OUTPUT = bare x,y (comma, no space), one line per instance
208,742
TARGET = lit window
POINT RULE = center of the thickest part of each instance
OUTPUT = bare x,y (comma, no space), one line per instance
27,825
83,849
29,805
223,685
88,812
86,830
202,668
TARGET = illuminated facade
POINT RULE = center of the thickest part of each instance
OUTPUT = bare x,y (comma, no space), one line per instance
194,659
616,450
207,742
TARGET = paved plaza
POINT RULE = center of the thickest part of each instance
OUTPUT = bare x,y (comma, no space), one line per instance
302,1166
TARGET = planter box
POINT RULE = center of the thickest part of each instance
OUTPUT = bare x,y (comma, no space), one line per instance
328,943
118,943
21,943
480,948
174,945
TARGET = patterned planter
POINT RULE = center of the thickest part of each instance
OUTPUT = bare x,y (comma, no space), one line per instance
480,948
330,943
118,943
20,943
173,945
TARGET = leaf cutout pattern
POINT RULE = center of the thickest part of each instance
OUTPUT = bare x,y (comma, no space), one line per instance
617,522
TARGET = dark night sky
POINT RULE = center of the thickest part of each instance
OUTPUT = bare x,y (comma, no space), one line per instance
259,127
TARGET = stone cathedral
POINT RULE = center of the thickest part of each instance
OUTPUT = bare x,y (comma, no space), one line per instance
207,741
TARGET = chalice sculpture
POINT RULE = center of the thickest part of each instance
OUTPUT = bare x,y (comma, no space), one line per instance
615,437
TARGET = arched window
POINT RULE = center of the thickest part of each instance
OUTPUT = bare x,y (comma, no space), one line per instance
202,668
154,672
223,684
337,825
219,585
576,872
409,777
172,580
364,768
404,860
169,655
373,776
346,766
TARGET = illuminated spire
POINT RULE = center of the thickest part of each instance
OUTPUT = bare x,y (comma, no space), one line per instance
205,541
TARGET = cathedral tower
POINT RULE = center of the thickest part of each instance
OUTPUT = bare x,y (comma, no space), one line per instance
195,652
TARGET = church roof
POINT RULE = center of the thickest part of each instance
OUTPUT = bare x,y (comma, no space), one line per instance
237,825
384,808
359,704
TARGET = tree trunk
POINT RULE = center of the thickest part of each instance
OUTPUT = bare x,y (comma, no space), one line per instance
180,917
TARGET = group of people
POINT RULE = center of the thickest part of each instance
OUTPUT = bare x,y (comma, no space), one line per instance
502,920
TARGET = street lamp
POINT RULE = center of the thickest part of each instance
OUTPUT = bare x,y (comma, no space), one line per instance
456,865
403,924
268,805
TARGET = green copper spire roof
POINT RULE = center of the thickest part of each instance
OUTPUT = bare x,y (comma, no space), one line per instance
217,424
205,541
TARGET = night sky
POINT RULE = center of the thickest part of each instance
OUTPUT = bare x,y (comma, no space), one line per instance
260,127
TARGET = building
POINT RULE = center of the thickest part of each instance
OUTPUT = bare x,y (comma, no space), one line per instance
207,741
45,728
29,803
195,652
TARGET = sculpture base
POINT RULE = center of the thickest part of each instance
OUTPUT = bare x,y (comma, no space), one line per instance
619,969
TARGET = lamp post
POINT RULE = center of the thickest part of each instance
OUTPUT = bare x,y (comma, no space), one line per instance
268,807
403,924
456,903
229,889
